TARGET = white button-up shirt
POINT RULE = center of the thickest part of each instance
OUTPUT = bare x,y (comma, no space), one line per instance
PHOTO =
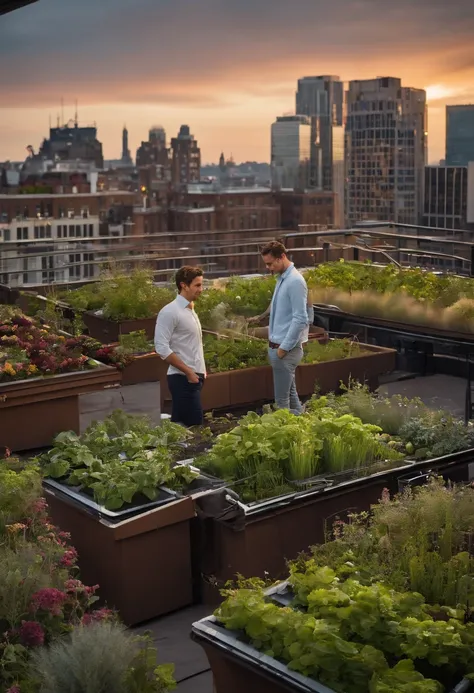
178,331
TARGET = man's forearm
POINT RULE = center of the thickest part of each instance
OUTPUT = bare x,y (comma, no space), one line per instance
175,361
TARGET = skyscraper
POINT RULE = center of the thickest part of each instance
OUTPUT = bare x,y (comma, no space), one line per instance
322,99
385,146
186,158
291,152
126,158
459,135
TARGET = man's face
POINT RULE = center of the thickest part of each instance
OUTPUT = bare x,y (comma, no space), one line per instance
275,265
194,290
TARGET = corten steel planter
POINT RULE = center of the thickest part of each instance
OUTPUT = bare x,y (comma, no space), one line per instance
142,564
106,331
145,368
258,540
366,367
34,411
249,386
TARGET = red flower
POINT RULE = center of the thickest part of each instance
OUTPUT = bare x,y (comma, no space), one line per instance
48,599
95,616
31,634
69,558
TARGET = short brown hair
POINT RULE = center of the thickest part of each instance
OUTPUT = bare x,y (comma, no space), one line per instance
275,248
186,275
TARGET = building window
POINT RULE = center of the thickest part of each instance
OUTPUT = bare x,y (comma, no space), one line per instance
71,231
91,230
22,233
48,230
6,235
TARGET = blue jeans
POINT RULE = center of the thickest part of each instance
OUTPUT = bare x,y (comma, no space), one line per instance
284,384
186,399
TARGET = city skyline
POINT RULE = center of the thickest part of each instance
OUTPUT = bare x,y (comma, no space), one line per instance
227,71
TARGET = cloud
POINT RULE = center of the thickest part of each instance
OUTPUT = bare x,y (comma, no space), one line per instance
183,51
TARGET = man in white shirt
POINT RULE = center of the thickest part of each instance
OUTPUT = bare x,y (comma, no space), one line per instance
178,340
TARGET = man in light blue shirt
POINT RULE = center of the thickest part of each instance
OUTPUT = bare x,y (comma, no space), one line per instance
288,325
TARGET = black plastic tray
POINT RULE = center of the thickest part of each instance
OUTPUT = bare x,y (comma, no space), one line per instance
75,496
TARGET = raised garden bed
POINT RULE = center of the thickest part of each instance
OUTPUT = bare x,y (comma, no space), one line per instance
237,665
34,411
106,330
257,539
143,564
254,385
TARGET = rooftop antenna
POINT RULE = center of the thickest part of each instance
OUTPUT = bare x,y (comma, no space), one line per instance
57,120
75,116
50,121
62,111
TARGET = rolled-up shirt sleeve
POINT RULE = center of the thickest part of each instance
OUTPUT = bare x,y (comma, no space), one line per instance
298,294
165,324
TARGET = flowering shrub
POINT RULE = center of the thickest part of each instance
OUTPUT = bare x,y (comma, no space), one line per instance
41,598
29,350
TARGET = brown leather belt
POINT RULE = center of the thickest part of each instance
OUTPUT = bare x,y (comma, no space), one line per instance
272,345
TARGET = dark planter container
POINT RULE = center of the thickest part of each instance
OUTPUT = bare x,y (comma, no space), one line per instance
34,411
145,368
8,296
238,667
258,540
106,331
328,375
142,564
249,386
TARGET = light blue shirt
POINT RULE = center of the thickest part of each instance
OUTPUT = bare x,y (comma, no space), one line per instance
288,310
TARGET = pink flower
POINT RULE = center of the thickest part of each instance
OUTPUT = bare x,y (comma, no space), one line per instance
48,599
69,558
39,505
31,634
14,689
95,616
385,496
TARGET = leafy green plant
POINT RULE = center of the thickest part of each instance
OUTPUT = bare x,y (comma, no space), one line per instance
264,454
135,343
316,647
119,459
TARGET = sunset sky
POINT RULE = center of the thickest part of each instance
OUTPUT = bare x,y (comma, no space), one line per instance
225,67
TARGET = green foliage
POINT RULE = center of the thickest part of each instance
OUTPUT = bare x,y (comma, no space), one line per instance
326,649
334,350
119,459
233,354
419,541
19,489
122,296
264,454
135,343
249,297
101,657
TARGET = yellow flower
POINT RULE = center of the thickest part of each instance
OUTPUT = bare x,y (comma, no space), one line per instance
32,369
8,368
17,527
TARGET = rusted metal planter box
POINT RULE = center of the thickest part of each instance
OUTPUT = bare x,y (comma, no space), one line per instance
106,331
328,375
145,368
257,540
142,564
248,386
34,411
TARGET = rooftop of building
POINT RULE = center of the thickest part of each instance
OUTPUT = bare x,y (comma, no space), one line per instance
42,196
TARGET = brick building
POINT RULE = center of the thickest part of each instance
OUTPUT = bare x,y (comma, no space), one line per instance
185,158
310,208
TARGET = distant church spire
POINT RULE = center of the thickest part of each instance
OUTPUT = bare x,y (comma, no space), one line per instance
126,158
